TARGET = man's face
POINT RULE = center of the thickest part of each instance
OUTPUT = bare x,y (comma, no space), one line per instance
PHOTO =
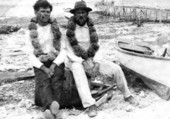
43,14
81,17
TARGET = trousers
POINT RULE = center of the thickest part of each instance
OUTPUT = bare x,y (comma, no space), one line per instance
106,68
114,71
60,88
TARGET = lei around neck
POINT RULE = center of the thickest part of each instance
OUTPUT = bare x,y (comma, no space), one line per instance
44,57
78,50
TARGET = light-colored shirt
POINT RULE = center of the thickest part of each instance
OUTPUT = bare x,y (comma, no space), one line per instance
45,37
83,38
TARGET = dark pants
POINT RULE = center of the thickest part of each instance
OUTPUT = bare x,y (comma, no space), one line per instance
60,88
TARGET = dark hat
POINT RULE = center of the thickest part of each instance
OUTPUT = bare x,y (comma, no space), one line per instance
80,5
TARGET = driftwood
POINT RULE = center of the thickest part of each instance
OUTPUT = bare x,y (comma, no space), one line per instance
7,29
102,94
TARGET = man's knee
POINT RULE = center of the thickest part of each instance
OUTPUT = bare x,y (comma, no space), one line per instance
59,70
109,68
41,77
116,68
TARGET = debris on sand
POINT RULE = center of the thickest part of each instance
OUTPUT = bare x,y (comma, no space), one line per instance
7,29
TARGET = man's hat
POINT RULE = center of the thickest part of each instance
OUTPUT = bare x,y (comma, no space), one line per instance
80,5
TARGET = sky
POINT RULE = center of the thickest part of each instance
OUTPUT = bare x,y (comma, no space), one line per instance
23,8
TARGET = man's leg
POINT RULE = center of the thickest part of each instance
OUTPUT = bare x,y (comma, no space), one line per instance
43,93
49,90
70,96
114,70
82,85
57,82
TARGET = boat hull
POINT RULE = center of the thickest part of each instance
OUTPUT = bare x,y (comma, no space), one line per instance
154,70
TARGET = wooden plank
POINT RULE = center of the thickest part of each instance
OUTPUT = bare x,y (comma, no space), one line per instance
166,16
135,14
160,89
13,76
124,11
134,48
160,16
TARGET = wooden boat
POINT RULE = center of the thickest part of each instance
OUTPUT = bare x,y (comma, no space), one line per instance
153,70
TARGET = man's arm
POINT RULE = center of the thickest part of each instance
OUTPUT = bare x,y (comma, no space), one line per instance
97,59
29,49
48,71
35,62
61,56
98,56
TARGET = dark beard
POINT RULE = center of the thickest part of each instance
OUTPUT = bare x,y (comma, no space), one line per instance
81,21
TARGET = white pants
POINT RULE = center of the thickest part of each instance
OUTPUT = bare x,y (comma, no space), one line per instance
106,68
82,85
113,70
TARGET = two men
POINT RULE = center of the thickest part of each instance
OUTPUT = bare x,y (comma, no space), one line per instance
79,51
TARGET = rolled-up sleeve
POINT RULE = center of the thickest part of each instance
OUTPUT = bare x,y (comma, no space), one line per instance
62,55
29,50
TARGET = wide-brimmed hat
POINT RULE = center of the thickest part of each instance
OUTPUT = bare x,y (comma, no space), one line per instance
80,5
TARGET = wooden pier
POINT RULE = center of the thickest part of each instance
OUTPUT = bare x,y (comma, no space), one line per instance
134,13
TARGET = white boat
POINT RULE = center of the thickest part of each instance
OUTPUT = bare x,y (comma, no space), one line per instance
153,70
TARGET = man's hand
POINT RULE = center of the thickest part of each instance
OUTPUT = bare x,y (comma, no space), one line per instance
52,67
115,60
87,68
48,71
95,70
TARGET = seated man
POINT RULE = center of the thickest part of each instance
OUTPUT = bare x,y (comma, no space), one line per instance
83,55
46,50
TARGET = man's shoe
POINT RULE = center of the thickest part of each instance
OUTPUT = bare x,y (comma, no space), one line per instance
132,100
48,115
92,112
54,107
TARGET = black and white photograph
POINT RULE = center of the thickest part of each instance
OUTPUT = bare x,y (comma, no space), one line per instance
84,59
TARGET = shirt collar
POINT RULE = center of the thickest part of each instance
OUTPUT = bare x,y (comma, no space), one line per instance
85,26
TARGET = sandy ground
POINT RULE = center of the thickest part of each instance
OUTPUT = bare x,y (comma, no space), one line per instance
16,98
17,103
